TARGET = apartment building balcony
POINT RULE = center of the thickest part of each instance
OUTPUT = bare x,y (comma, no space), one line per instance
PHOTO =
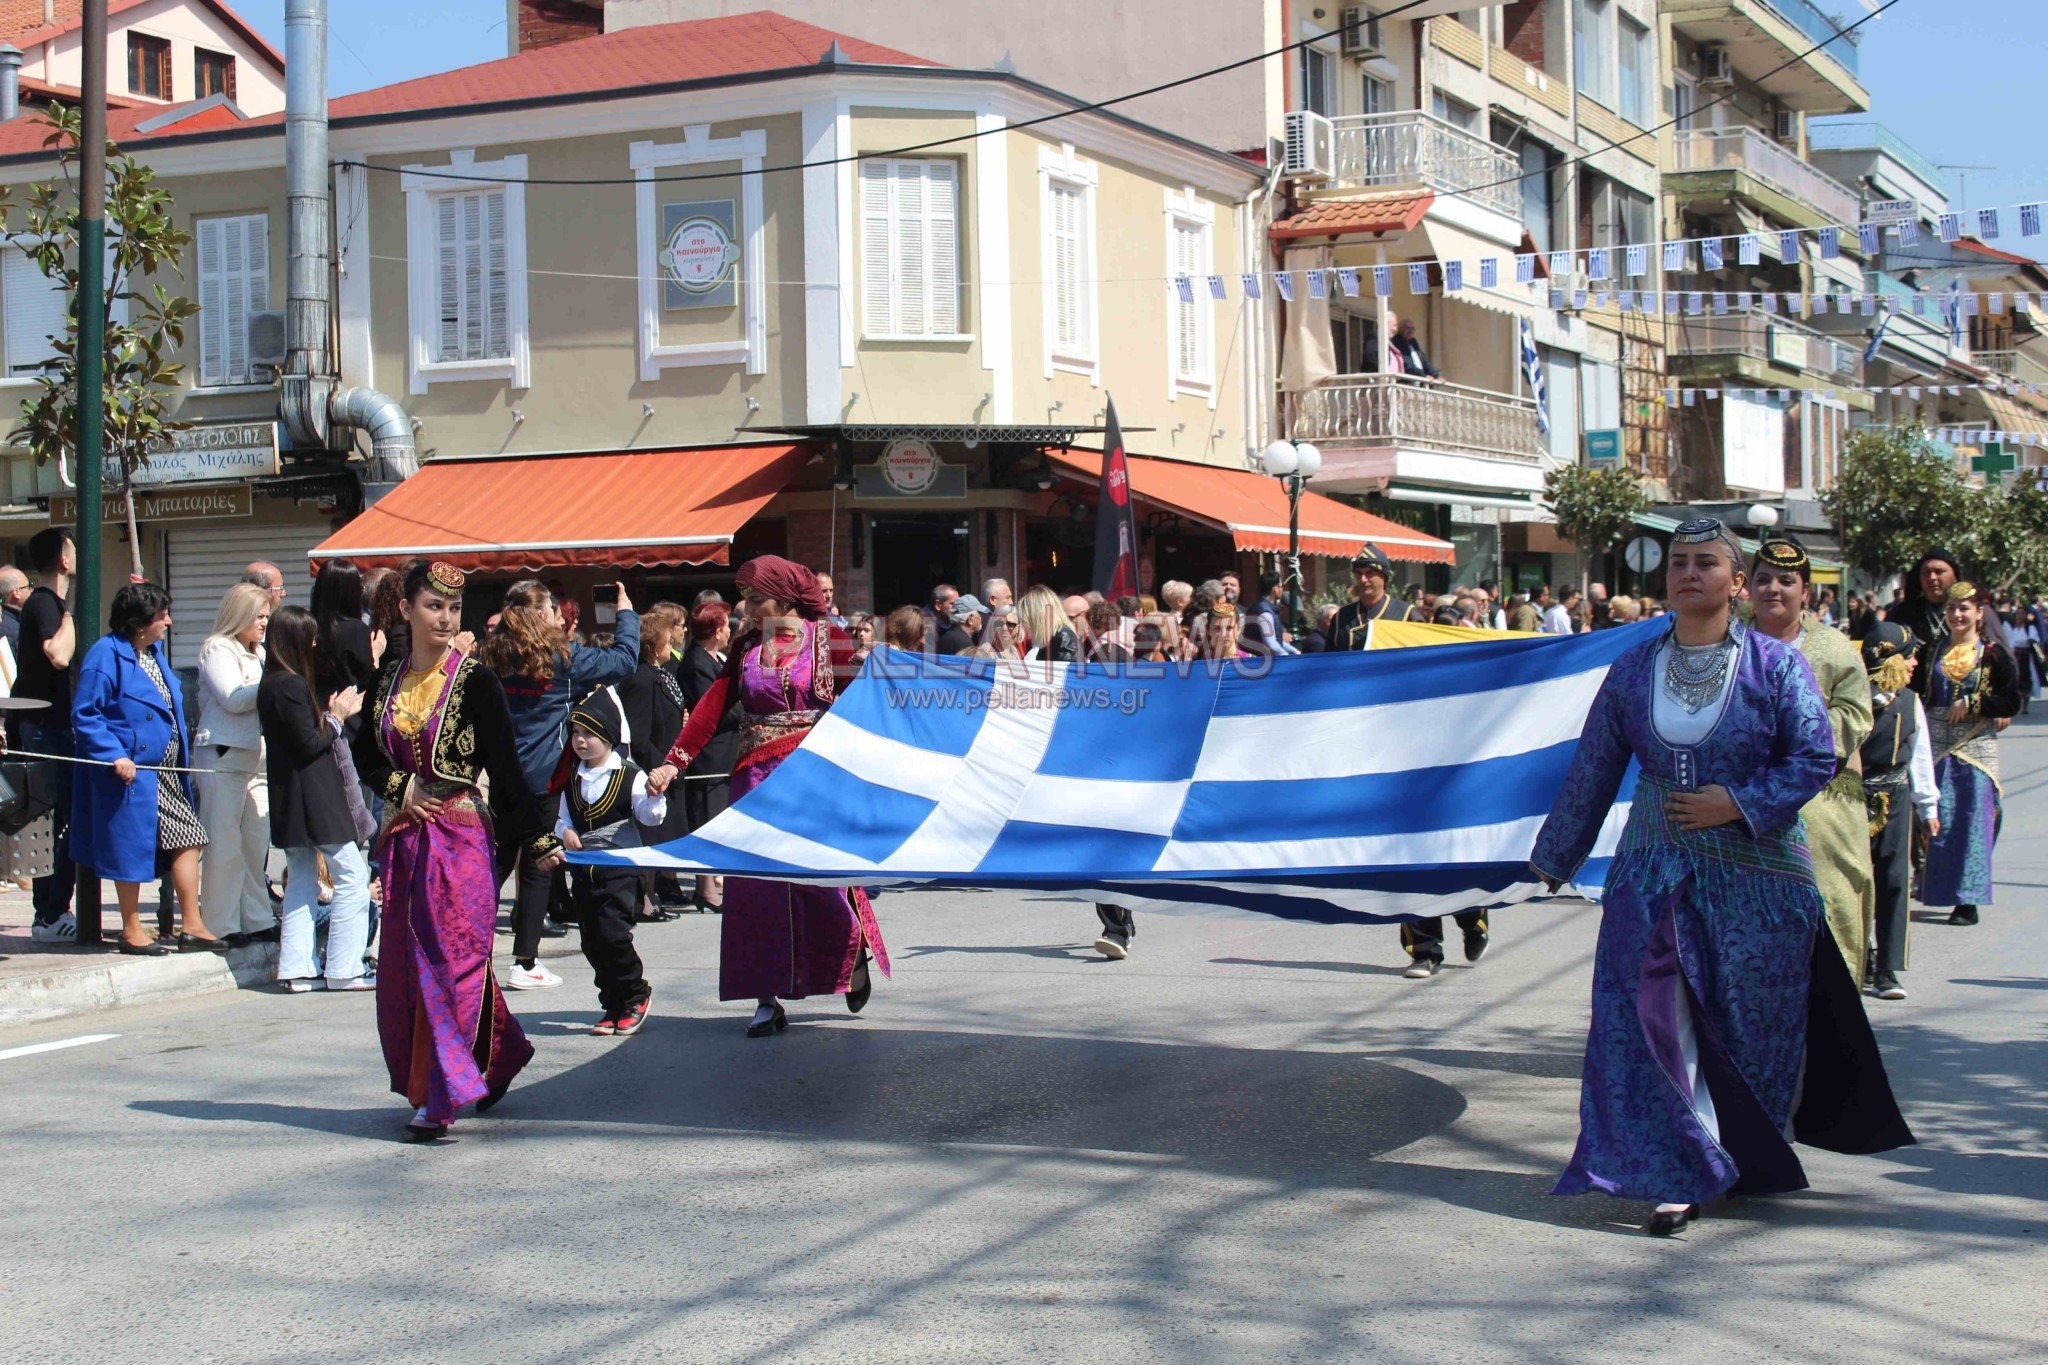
1766,35
1410,150
1376,427
2019,366
1768,351
1720,163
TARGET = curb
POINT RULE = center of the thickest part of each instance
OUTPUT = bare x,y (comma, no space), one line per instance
111,982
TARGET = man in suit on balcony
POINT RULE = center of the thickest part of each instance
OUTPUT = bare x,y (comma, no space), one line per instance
1405,354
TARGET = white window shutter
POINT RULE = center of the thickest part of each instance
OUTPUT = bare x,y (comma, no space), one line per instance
877,249
474,304
234,273
213,312
1065,209
942,257
497,295
448,273
1187,238
911,272
36,309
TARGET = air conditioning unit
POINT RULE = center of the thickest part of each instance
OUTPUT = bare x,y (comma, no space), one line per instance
1788,126
1310,151
1716,64
267,338
1361,33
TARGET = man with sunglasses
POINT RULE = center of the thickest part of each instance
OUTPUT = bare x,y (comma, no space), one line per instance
1370,568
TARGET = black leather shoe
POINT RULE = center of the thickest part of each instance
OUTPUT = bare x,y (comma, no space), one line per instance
490,1099
1475,944
861,986
142,949
1665,1222
768,1026
550,928
422,1132
1963,914
187,943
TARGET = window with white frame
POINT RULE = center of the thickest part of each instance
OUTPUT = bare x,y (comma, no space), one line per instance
466,271
1072,273
910,248
234,281
1376,95
1454,111
1593,49
1193,315
37,310
1318,72
1638,73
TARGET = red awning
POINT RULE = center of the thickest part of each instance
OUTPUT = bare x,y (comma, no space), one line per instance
1252,508
620,509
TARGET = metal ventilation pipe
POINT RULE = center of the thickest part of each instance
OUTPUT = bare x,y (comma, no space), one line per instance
310,402
10,81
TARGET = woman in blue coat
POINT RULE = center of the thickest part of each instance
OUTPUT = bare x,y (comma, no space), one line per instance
129,823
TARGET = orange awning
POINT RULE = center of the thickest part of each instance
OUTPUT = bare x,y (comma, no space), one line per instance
1252,508
620,509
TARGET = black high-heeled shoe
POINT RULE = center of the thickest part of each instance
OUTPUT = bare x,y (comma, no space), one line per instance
861,986
1665,1222
777,1024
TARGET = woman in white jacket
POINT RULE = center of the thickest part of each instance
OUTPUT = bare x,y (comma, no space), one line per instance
234,794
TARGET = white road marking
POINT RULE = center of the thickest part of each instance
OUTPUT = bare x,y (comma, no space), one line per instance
32,1049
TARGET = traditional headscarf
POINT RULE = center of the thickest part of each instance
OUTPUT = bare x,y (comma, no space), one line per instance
785,580
1708,531
1783,552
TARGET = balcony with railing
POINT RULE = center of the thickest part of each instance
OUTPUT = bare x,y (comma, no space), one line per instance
2020,366
1398,410
1795,50
1409,149
1814,196
1764,343
1875,137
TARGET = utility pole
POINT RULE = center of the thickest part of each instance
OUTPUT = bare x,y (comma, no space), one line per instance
92,347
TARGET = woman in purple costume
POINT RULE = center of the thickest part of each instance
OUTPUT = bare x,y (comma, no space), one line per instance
436,724
778,940
1725,1023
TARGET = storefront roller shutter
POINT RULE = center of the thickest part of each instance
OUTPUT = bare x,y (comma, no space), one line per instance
206,561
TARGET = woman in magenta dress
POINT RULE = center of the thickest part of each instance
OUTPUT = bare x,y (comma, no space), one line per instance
436,724
778,940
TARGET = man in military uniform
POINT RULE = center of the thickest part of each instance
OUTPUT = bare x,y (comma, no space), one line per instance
1353,626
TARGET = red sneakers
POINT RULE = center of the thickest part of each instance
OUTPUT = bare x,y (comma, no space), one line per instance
605,1027
628,1020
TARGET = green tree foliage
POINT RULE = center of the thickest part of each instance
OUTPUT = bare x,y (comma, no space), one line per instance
143,328
2007,542
1894,497
1594,507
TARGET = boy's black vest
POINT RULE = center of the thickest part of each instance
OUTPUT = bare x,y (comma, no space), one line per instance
606,822
1889,750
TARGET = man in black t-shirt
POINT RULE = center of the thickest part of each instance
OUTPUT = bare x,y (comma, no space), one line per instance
44,669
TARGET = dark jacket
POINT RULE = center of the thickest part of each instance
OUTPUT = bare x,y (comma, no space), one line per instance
654,715
700,670
1063,647
347,663
540,710
953,640
308,805
1998,698
116,712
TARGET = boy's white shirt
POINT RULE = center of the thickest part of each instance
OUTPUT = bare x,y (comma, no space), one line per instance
649,808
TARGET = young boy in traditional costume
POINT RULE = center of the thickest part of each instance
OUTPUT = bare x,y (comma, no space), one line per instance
1899,788
605,795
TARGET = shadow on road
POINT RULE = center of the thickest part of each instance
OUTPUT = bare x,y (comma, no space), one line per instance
1353,968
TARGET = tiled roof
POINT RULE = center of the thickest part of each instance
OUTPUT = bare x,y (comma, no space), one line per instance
34,91
25,16
71,15
1345,217
618,64
1972,244
621,62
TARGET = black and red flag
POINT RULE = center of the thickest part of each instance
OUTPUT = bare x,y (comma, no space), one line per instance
1116,524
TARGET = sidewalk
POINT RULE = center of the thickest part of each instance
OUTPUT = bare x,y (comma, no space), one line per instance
43,981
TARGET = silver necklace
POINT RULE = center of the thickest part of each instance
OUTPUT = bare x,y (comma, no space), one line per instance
1693,673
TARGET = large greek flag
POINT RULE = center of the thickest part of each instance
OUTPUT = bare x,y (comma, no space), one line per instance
1353,786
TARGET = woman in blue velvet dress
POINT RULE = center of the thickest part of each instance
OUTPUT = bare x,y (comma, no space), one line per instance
1714,1019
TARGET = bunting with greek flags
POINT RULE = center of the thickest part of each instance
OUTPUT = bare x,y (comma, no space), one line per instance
1327,787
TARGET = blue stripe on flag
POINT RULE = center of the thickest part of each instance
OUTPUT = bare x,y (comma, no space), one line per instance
1097,741
1028,849
863,818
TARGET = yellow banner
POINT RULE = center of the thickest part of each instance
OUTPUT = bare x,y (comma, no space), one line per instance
1409,634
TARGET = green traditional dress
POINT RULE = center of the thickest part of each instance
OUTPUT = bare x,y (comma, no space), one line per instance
1837,823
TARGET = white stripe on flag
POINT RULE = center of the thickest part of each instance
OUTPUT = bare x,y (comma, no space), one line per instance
1003,759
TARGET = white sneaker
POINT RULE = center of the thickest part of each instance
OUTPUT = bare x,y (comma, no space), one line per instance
366,982
62,930
534,978
300,985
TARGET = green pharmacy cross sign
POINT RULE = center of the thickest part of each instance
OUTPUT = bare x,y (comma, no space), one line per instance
1994,460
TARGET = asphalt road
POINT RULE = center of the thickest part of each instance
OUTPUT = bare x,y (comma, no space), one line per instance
1253,1140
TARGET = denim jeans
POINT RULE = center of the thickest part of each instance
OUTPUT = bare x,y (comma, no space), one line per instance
348,917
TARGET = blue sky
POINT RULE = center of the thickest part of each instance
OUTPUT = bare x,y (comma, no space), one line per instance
1953,77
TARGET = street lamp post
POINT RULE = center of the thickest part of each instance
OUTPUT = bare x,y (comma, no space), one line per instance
1294,463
